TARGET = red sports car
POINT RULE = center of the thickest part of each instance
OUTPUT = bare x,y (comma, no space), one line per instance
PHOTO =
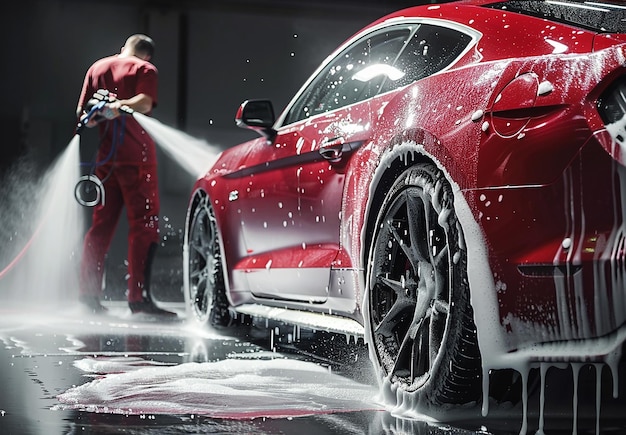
450,184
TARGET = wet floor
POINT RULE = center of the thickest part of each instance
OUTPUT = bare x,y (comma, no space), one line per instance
64,371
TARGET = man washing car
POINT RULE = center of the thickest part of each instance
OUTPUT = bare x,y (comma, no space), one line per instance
126,162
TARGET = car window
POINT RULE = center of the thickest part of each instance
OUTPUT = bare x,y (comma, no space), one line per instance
354,75
382,61
430,50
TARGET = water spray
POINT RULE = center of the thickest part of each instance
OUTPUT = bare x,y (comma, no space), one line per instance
51,207
192,154
89,190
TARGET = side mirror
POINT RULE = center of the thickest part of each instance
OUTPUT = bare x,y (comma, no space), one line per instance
257,115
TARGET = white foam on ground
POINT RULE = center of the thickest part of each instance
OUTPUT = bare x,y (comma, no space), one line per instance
231,388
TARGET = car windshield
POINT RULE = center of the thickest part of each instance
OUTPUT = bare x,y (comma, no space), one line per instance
599,16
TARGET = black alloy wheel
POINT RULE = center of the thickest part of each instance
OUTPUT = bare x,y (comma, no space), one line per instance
420,318
205,291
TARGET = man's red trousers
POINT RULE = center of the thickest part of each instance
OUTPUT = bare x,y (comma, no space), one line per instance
136,188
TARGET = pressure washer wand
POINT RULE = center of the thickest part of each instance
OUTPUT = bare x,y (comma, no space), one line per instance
87,117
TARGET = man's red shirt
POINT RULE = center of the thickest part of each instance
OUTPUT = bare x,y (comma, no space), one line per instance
125,76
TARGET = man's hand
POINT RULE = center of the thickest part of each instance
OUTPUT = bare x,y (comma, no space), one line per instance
111,110
91,123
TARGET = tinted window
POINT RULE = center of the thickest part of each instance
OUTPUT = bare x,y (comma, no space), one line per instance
342,82
380,62
599,16
430,50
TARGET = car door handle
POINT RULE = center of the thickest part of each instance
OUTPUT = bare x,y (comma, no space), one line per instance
332,153
334,149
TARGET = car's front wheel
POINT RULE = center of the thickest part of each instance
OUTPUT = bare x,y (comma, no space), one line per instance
205,291
420,321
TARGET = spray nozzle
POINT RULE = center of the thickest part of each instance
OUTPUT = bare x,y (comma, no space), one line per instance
126,110
92,113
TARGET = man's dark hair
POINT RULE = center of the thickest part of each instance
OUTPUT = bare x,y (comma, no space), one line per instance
142,44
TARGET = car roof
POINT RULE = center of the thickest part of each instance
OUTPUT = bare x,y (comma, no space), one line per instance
520,28
598,16
601,16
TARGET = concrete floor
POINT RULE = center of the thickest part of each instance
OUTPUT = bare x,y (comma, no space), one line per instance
67,371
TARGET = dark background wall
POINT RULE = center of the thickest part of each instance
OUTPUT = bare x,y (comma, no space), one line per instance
211,56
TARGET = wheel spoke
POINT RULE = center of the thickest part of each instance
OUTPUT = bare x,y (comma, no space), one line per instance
415,214
402,365
423,304
406,249
414,354
196,273
392,317
435,334
198,251
422,349
441,307
414,345
397,286
438,249
441,257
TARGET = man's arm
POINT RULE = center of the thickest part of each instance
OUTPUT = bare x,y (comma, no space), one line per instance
141,103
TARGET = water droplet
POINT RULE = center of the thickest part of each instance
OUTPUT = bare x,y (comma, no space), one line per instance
477,115
567,243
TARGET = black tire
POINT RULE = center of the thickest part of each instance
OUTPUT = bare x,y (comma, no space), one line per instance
205,289
422,333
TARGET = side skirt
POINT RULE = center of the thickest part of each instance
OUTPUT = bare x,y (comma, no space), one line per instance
304,319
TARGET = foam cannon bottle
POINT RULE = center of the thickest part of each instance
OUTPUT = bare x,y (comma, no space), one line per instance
89,190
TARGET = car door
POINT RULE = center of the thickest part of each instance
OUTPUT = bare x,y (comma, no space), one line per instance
290,202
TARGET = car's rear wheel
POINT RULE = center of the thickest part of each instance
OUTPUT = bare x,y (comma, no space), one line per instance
205,291
420,320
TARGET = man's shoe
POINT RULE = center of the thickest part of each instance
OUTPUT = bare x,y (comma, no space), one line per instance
92,303
148,307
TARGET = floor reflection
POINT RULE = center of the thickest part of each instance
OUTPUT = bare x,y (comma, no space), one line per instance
324,380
